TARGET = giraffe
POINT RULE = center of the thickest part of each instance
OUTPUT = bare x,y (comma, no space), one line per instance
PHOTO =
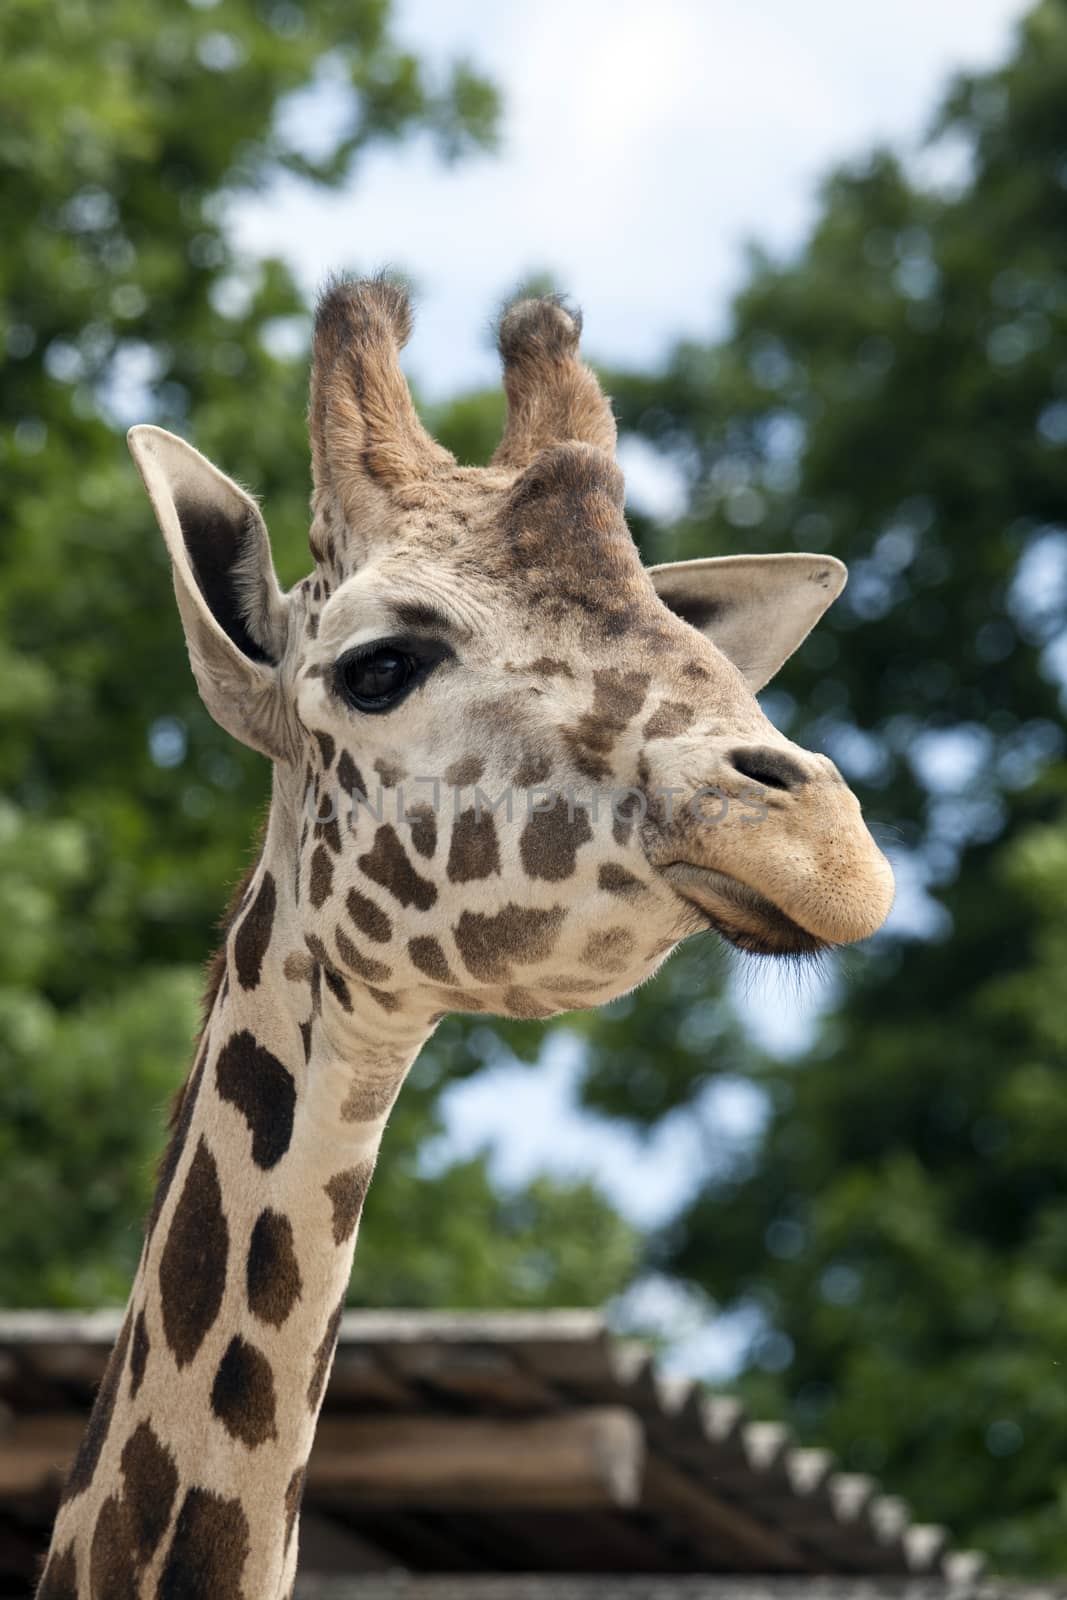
512,770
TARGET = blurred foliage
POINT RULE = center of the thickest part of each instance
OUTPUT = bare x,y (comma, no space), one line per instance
126,813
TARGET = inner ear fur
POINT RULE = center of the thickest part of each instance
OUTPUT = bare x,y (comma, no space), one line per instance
756,609
232,609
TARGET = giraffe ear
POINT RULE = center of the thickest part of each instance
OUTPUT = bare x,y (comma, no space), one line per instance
234,614
756,609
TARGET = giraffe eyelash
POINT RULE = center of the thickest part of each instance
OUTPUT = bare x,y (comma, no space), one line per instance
419,656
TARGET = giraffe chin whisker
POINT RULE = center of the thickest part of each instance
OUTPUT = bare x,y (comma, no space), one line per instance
744,917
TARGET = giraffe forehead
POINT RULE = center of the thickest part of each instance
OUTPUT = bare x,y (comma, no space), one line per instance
551,542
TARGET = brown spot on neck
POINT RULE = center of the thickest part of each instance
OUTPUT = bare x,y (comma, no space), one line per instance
139,1352
427,954
320,1365
252,938
346,1192
252,1079
60,1580
95,1436
369,918
242,1396
208,1552
272,1272
192,1267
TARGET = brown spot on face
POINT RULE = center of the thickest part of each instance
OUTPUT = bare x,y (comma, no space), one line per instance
618,696
242,1396
429,957
272,1273
387,864
347,1191
326,747
589,746
624,812
349,776
321,876
670,718
95,1435
60,1580
532,770
423,829
608,949
521,1003
369,918
192,1268
544,667
358,963
693,669
462,774
614,879
390,773
252,1079
517,933
253,934
293,1496
207,1555
551,839
139,1350
473,852
617,699
320,1366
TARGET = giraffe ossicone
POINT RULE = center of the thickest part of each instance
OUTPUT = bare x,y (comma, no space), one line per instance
513,769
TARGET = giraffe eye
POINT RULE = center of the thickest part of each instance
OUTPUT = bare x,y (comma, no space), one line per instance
377,679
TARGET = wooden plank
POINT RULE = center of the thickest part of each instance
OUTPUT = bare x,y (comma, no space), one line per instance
327,1545
481,1376
728,1537
583,1458
359,1381
36,1452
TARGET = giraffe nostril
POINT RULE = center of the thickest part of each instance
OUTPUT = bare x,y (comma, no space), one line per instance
773,768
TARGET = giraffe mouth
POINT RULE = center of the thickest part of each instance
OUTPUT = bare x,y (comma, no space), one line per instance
743,916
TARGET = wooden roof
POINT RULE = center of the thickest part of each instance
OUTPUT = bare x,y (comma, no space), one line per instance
531,1587
502,1443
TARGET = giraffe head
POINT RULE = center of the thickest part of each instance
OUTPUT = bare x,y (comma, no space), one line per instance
514,767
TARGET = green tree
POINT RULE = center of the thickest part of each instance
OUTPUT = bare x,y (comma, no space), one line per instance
896,392
125,812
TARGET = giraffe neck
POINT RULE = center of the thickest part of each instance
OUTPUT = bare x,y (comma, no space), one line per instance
188,1482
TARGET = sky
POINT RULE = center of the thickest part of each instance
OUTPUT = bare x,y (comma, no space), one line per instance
643,146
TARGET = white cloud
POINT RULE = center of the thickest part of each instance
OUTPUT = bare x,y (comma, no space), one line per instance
641,147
